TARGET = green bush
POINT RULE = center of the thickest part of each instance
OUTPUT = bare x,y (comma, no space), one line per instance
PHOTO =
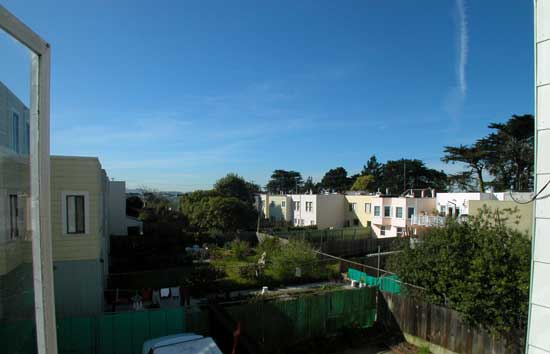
296,254
239,249
479,268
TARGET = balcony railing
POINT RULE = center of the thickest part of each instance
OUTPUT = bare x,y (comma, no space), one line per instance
428,220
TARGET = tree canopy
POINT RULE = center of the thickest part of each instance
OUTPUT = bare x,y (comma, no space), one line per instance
507,154
284,182
227,207
336,180
400,175
363,183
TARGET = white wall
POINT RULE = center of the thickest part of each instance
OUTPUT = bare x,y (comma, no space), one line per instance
448,200
538,336
117,208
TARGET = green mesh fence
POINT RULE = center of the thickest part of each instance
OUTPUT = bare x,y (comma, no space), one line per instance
278,323
120,333
389,283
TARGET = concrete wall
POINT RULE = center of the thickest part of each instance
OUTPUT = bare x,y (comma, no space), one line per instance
331,210
522,220
117,208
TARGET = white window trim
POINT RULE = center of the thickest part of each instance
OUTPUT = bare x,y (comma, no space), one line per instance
384,211
414,212
368,208
379,211
399,217
86,196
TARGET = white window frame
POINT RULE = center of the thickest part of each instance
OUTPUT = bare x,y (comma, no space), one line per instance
283,204
368,208
309,206
396,214
413,213
387,207
399,233
382,230
64,215
40,213
379,208
15,131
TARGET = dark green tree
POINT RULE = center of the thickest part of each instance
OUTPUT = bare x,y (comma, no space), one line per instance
336,179
474,157
376,170
310,186
400,175
510,153
234,185
284,182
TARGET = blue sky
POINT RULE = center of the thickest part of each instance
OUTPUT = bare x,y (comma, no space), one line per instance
175,94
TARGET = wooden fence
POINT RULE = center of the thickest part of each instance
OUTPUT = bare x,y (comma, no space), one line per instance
440,326
345,246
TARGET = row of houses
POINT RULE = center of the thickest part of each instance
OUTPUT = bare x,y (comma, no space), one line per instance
86,208
391,215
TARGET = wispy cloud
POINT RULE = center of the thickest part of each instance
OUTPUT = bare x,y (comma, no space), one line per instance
462,45
456,96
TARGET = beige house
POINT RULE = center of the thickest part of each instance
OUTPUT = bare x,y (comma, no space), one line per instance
358,210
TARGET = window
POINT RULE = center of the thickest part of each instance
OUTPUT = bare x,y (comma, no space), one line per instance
15,132
376,210
410,213
399,212
367,208
387,211
75,214
14,217
309,206
442,209
312,222
283,204
352,206
27,138
296,205
399,231
382,230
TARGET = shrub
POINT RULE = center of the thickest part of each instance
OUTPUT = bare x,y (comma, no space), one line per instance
239,249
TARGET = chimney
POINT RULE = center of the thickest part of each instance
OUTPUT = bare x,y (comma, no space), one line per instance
387,191
422,193
433,192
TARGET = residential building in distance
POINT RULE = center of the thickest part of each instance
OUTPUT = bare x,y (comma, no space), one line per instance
358,211
462,205
321,210
393,215
120,224
276,208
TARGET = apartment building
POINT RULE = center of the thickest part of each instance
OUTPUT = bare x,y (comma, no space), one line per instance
393,215
276,208
321,210
358,210
80,227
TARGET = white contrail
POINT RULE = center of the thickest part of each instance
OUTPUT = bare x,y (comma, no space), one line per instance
462,45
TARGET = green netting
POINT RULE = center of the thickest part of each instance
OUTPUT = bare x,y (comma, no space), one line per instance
276,323
389,283
120,333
